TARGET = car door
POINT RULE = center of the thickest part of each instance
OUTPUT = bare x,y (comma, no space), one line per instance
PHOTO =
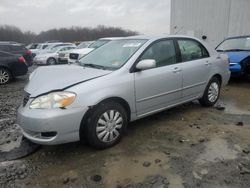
159,87
196,67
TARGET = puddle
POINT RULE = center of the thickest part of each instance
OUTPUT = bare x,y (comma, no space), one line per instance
126,168
24,149
233,108
217,149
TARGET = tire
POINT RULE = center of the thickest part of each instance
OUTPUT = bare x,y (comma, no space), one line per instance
51,61
100,126
212,93
5,76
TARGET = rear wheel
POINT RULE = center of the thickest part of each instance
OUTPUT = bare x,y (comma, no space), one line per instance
106,125
212,93
5,76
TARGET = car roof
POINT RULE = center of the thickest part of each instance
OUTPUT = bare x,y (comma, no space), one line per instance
237,37
111,38
156,37
10,43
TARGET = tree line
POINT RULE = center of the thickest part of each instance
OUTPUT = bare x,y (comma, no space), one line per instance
12,33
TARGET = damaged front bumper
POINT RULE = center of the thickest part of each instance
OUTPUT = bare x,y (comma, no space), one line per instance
50,126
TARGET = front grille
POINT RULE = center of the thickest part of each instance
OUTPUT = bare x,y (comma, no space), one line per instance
26,98
73,56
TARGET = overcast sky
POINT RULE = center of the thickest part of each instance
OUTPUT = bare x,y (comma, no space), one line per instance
146,17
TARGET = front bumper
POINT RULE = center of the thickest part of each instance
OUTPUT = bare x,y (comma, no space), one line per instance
40,61
63,123
63,60
72,61
235,68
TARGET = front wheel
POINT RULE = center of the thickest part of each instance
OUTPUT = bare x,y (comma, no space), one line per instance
51,61
106,125
212,93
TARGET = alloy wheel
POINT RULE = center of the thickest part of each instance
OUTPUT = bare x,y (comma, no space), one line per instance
4,76
213,92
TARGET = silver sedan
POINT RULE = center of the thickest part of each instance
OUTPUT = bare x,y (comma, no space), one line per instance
123,81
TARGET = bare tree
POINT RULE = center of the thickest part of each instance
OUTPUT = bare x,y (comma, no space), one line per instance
12,33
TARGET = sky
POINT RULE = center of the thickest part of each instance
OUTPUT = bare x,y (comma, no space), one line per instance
143,16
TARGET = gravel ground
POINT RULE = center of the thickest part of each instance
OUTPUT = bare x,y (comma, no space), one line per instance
188,146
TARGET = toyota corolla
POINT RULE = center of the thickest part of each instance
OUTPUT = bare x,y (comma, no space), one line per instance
123,81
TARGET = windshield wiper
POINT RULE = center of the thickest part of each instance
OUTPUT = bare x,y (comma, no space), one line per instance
237,50
94,66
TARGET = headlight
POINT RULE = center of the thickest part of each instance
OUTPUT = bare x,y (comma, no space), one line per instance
53,100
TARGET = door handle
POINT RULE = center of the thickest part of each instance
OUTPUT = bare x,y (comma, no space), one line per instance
208,63
176,70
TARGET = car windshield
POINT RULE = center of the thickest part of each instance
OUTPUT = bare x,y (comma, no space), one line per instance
98,44
55,49
113,55
235,44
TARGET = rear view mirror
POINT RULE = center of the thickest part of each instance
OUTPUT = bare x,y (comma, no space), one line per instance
146,64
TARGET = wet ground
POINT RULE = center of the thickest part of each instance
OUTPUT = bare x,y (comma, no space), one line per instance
185,147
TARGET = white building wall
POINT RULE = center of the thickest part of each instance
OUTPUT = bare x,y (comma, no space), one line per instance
216,19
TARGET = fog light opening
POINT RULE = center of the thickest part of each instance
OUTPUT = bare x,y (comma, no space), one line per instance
48,134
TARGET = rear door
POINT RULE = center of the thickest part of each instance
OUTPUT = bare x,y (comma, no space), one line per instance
196,67
159,87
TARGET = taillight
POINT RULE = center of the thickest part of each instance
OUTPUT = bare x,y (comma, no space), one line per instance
28,52
21,59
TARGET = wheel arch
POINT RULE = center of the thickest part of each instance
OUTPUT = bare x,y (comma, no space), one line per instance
218,76
6,67
119,100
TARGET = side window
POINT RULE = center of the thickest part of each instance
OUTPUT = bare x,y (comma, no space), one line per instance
162,52
191,50
4,48
16,48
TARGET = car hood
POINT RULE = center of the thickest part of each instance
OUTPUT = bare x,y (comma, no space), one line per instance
237,57
51,78
82,51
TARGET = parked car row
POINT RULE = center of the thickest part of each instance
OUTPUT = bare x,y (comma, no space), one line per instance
54,52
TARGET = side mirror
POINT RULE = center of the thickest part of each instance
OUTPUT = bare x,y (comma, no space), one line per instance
146,64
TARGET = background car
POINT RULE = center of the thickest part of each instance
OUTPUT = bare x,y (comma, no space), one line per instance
45,47
122,81
64,56
238,51
19,49
51,56
11,66
32,46
77,54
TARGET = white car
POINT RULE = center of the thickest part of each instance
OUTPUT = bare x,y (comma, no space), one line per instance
77,54
64,56
51,56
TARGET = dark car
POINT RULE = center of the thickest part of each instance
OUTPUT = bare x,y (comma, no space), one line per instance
11,66
19,49
238,51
